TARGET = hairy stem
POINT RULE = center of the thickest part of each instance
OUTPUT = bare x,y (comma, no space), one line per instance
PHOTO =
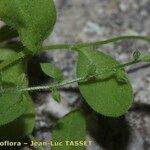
73,46
57,85
79,80
12,59
96,43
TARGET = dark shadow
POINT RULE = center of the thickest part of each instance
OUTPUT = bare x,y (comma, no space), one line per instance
35,74
13,132
141,107
15,129
110,133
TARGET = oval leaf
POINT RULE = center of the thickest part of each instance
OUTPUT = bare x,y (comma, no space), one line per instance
107,96
33,19
22,126
11,74
71,128
52,71
12,106
56,94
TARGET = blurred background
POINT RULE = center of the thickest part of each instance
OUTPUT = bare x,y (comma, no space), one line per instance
90,20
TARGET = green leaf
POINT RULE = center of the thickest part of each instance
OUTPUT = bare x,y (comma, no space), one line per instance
12,106
33,19
91,70
6,53
121,76
19,111
136,54
107,96
56,95
71,128
17,46
7,33
22,80
14,46
146,58
12,73
52,71
22,126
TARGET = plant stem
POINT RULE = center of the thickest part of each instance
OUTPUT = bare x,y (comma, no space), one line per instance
97,43
81,79
57,85
129,63
73,46
12,59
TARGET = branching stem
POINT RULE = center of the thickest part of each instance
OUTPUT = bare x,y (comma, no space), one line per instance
79,80
73,46
12,59
96,43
